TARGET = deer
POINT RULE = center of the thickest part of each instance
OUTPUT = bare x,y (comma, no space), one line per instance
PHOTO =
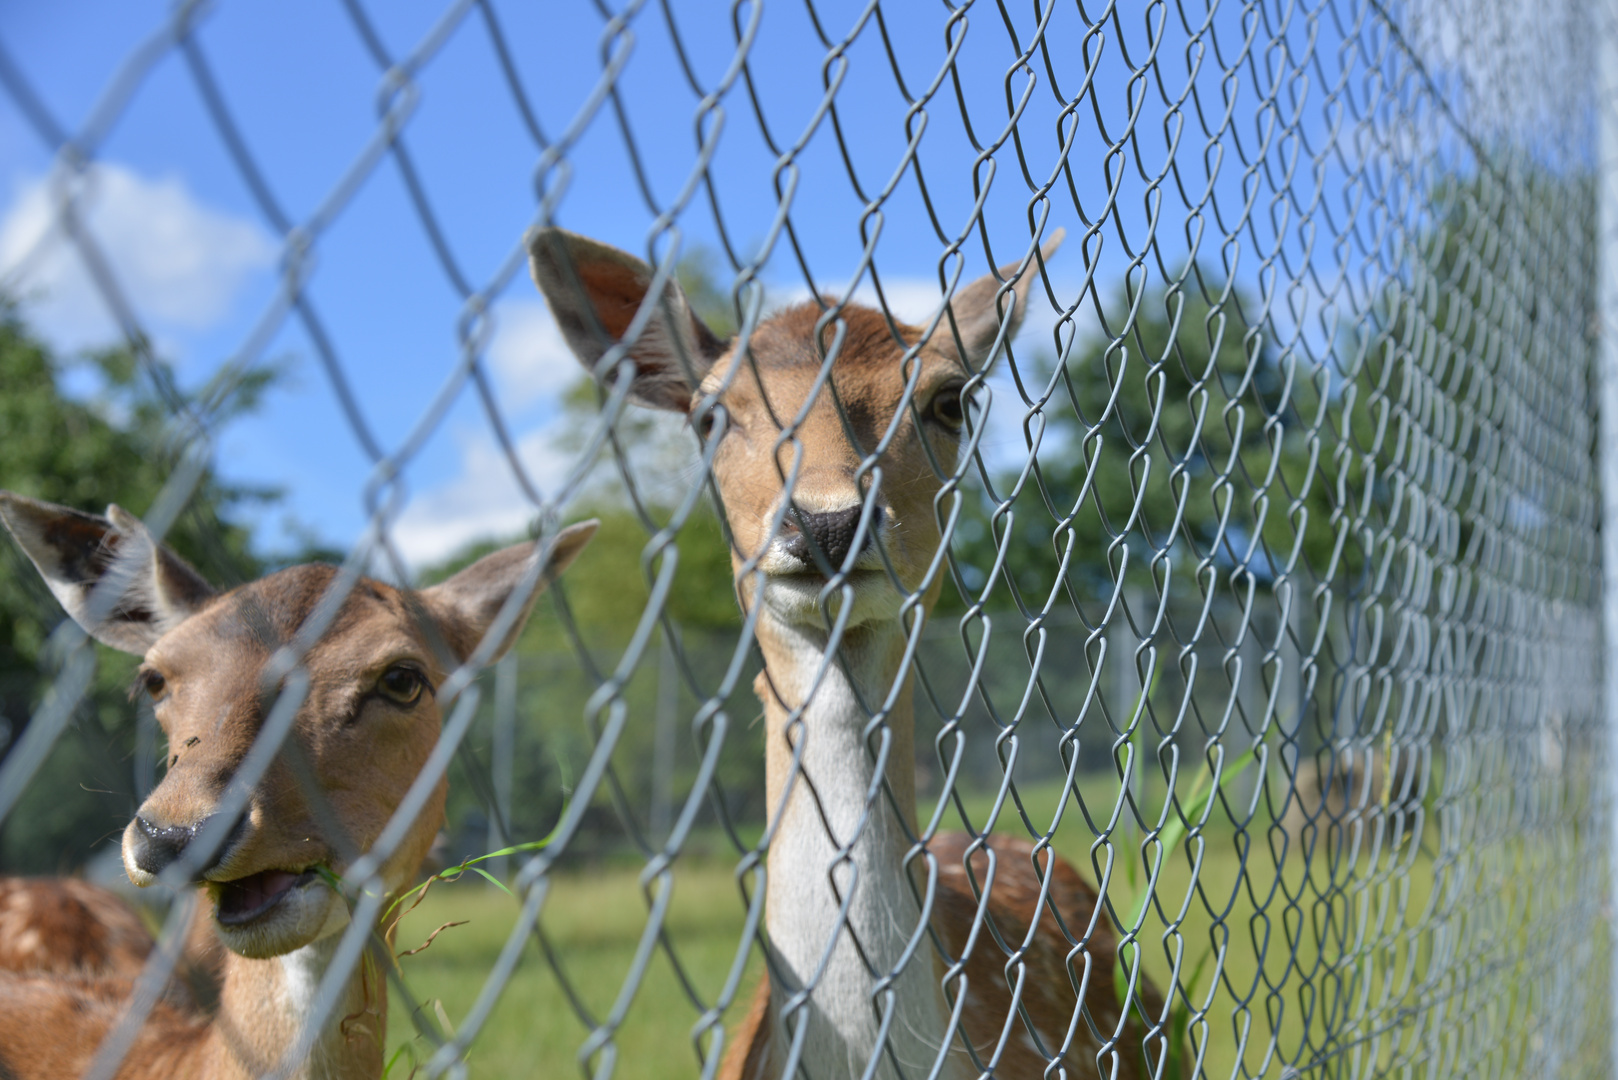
849,989
1344,800
367,722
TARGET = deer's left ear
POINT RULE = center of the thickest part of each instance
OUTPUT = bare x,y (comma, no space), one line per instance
150,590
596,291
983,330
467,604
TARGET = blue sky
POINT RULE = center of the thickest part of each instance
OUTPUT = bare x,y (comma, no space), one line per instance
200,259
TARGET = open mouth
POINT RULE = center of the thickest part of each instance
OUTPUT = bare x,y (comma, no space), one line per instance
812,576
245,899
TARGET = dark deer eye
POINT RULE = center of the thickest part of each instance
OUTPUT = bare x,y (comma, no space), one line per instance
948,408
706,421
402,684
152,682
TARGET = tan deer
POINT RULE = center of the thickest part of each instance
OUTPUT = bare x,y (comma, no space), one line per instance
364,730
1344,804
867,1003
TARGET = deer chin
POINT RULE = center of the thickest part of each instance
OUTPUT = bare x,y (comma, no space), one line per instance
274,912
793,589
795,599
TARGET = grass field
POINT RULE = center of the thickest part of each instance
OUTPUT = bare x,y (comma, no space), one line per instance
594,921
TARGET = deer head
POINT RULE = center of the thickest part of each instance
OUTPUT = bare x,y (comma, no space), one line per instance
788,462
364,729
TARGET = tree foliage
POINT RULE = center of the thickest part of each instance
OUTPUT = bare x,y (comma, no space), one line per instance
85,452
1143,447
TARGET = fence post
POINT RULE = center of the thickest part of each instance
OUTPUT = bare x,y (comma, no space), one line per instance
1607,378
503,751
1121,655
668,703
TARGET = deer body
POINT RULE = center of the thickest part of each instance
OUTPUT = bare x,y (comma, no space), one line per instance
263,1007
63,926
367,722
68,927
829,548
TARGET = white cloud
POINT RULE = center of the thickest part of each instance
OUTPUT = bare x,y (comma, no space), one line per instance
529,357
483,501
181,264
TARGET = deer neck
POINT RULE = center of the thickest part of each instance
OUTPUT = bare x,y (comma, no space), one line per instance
264,1005
831,802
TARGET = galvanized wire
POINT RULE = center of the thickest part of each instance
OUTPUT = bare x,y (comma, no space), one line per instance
1342,517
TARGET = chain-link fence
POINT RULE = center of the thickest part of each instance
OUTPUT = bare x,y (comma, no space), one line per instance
1096,572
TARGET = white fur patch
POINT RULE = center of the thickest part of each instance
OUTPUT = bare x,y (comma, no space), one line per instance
803,907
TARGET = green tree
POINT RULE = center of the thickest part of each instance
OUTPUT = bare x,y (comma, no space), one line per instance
1190,432
1149,443
115,446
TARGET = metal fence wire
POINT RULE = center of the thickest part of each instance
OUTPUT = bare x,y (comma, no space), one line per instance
1172,651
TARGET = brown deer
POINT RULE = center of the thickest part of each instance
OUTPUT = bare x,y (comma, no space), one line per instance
835,837
1344,804
368,719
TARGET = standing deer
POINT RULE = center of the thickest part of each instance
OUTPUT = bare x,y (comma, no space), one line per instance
850,976
364,730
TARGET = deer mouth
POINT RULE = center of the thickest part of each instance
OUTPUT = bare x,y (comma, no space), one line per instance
779,565
812,576
246,899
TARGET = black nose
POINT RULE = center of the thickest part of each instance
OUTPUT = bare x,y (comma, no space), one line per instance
156,847
832,534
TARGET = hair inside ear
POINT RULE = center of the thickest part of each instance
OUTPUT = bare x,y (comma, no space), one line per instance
468,605
596,292
976,309
109,574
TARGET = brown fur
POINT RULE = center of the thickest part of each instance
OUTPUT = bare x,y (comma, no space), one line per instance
62,926
1055,966
68,927
54,1025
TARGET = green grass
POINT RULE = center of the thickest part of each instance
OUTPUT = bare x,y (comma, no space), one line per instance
594,921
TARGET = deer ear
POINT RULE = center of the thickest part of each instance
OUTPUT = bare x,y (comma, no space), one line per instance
150,590
595,292
467,604
977,317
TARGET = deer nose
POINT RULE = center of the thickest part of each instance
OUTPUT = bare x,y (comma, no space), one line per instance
831,533
156,847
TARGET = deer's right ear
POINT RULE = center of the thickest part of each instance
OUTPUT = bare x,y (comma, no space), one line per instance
595,292
976,310
151,590
467,604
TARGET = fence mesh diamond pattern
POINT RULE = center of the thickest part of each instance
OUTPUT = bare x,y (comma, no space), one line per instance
1112,589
